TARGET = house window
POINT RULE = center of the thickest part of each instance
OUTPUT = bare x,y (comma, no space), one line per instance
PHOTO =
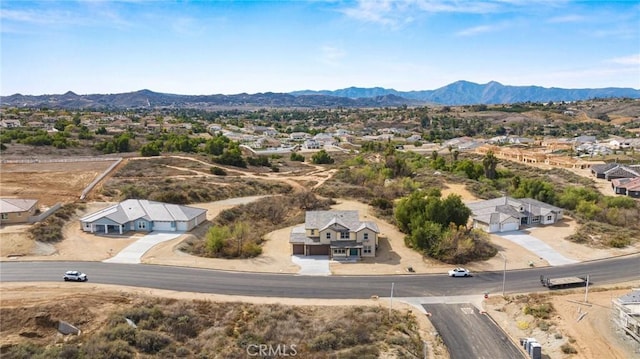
142,225
340,251
313,232
365,237
173,224
535,219
5,216
344,235
549,218
366,249
328,235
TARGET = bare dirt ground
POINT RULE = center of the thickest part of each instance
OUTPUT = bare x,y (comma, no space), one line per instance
587,327
49,183
393,257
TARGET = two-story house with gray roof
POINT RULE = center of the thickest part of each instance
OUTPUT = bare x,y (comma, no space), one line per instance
339,234
144,216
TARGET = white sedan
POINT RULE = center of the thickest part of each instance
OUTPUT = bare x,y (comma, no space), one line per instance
459,272
74,275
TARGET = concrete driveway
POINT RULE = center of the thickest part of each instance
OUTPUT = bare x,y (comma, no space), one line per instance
538,247
312,265
134,252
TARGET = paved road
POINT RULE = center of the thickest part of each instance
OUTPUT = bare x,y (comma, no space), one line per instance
469,334
295,286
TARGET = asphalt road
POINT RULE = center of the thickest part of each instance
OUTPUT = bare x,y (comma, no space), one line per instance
469,334
294,286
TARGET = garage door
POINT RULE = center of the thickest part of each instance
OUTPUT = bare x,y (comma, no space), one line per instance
509,226
298,249
322,250
162,226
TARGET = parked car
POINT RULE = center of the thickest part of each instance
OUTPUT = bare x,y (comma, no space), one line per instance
74,275
459,272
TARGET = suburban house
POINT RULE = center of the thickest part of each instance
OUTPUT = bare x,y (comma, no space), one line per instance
626,313
509,214
339,234
626,186
17,210
614,170
145,216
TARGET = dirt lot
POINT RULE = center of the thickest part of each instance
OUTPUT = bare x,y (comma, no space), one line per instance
56,184
587,327
49,183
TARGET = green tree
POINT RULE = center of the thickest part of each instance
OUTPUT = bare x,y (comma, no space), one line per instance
217,236
295,156
321,157
150,149
240,233
489,162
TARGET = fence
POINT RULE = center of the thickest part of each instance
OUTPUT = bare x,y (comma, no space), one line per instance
45,214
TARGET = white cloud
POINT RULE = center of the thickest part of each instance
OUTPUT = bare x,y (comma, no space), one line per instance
566,18
399,12
477,30
331,55
626,60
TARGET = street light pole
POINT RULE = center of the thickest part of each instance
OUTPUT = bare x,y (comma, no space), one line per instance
504,273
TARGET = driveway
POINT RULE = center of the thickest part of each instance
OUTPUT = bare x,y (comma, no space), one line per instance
312,265
538,247
134,252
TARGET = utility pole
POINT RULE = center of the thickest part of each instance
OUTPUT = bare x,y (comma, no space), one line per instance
586,290
391,301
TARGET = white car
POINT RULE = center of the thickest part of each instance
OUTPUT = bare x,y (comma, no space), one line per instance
459,272
74,275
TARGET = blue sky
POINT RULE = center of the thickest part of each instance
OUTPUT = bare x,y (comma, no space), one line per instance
229,47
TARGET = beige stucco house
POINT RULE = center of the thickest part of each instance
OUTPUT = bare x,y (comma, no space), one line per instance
339,234
17,210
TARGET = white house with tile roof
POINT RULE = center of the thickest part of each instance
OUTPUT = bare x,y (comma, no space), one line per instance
145,216
339,234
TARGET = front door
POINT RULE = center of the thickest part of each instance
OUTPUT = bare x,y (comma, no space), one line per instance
353,252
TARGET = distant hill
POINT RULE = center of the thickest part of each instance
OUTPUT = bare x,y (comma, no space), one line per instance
469,93
150,99
457,93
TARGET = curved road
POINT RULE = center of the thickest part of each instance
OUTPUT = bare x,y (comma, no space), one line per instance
332,287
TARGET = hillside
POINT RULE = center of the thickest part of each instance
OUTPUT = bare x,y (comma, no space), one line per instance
457,93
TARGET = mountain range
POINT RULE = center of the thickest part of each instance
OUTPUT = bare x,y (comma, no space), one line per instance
457,93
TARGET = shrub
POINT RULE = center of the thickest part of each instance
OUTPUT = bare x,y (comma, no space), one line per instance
321,157
619,242
324,342
218,171
296,157
568,349
543,325
151,342
542,311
